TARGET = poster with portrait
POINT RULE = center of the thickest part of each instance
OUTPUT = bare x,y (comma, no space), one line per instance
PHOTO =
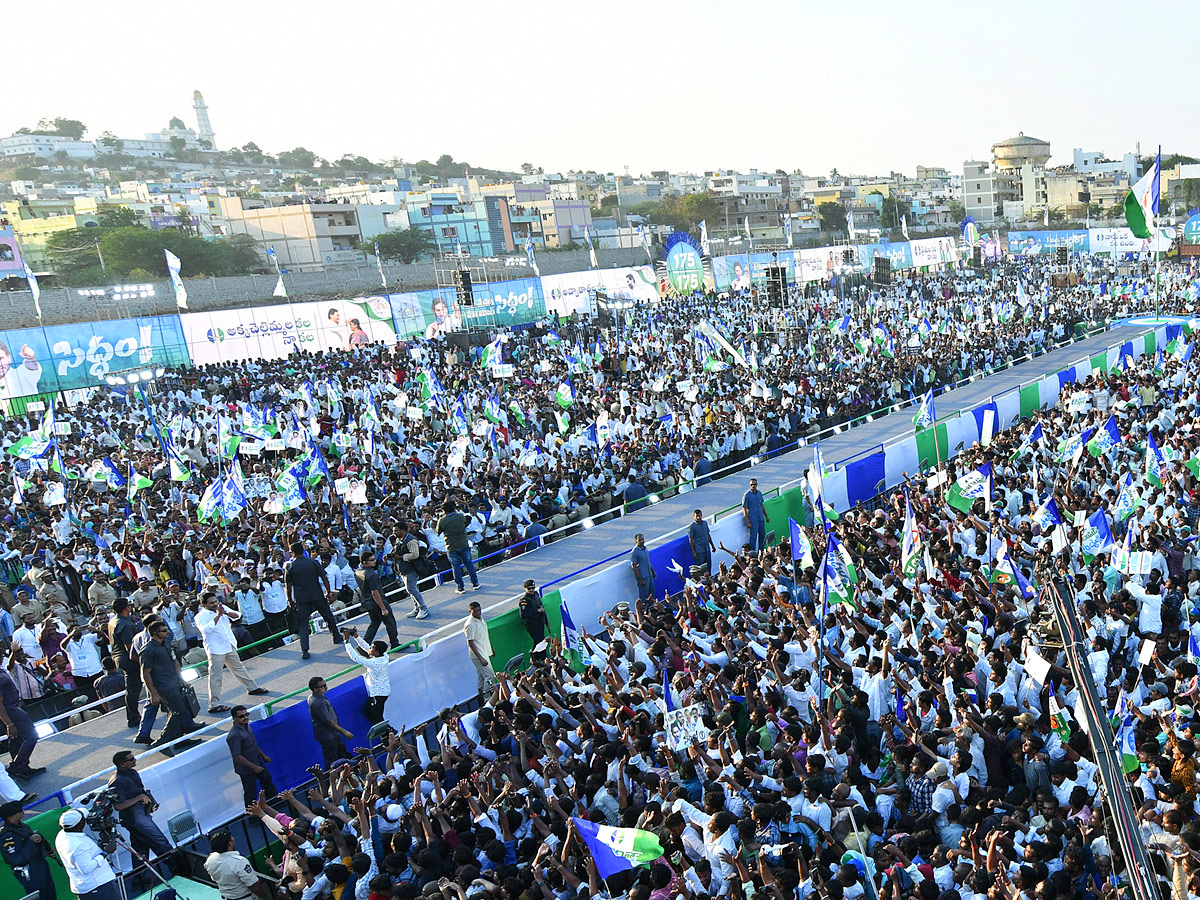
682,725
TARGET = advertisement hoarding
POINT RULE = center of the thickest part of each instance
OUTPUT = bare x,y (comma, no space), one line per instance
272,332
573,292
68,357
1035,243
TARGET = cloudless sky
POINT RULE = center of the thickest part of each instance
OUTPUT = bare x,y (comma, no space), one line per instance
866,86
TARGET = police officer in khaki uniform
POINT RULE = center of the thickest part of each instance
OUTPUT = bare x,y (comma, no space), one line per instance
26,852
231,872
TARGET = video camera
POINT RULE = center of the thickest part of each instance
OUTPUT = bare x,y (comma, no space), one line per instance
101,813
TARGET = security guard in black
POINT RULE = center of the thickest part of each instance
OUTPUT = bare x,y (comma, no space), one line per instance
25,851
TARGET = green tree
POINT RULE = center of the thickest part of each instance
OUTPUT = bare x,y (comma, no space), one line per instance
237,155
608,202
958,212
68,128
252,151
299,158
27,173
178,145
526,168
833,216
118,217
834,174
404,245
892,211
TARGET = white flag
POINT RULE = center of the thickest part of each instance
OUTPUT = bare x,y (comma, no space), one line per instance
704,237
35,289
904,226
173,266
280,289
850,224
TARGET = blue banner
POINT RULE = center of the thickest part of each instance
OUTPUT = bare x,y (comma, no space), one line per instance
501,303
1035,243
899,253
66,357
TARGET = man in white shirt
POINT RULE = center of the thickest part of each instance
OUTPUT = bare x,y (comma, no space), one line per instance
479,648
82,651
25,636
87,865
213,620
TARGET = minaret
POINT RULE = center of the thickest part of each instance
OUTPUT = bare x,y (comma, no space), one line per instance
203,127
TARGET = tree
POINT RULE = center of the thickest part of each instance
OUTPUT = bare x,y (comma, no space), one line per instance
176,124
118,217
892,211
833,216
252,151
299,158
205,144
237,155
834,174
958,212
68,128
1057,215
403,245
609,202
526,168
27,173
178,145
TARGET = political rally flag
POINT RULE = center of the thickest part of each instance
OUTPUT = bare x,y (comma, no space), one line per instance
970,487
617,849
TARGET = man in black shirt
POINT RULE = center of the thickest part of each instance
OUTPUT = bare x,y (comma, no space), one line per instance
134,804
308,590
25,851
18,725
249,762
329,734
370,590
160,671
121,630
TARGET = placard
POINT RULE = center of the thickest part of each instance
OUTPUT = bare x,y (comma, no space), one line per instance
682,725
1078,404
250,448
35,406
63,428
683,385
503,370
342,486
1081,518
274,444
415,413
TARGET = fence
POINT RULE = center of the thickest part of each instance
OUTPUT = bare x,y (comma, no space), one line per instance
62,305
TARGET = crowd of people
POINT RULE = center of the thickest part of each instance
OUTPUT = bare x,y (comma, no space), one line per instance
896,744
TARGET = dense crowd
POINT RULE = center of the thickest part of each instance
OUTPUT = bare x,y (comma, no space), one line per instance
915,739
891,742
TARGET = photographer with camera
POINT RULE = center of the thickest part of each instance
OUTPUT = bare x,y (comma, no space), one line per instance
87,865
135,804
379,685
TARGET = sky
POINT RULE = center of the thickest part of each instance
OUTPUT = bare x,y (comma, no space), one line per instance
868,87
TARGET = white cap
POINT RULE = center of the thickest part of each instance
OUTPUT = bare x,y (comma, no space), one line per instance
70,818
